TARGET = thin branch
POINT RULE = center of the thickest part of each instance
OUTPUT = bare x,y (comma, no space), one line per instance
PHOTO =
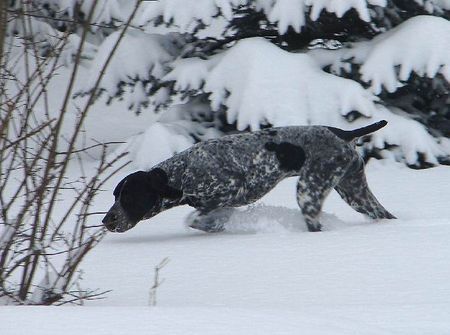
77,22
91,147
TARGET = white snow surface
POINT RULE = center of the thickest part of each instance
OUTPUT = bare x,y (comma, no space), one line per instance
268,275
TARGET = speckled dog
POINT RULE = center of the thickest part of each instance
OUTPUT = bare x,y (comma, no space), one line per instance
217,175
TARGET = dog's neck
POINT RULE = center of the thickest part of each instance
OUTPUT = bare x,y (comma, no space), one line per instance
174,173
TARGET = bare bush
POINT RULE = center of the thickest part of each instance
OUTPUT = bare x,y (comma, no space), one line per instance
44,214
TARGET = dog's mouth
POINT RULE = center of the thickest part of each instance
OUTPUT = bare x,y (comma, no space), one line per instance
116,220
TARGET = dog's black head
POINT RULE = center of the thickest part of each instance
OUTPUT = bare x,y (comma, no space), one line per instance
138,196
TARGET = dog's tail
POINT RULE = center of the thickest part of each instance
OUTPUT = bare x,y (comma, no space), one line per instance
349,135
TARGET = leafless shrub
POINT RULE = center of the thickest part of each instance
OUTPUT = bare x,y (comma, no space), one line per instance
44,214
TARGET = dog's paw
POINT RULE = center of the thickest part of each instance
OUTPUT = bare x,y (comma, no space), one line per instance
207,223
314,227
209,227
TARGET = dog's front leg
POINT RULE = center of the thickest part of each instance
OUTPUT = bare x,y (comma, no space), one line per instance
313,187
209,221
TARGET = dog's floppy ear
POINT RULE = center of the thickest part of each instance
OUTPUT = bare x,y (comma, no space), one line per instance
119,186
158,180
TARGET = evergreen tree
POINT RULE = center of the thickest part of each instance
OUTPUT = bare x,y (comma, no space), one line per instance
211,67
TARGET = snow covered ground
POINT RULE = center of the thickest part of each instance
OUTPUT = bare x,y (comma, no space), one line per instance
268,275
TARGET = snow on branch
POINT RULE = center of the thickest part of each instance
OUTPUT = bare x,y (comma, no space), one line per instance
140,57
398,134
48,39
105,11
420,45
260,83
164,140
282,11
427,53
186,14
174,131
432,6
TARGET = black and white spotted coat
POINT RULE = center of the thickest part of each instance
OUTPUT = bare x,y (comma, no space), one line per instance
217,175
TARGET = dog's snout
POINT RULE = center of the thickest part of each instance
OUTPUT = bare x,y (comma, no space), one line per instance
110,221
116,220
109,218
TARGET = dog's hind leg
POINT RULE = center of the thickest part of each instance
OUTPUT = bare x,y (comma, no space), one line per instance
354,190
210,222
